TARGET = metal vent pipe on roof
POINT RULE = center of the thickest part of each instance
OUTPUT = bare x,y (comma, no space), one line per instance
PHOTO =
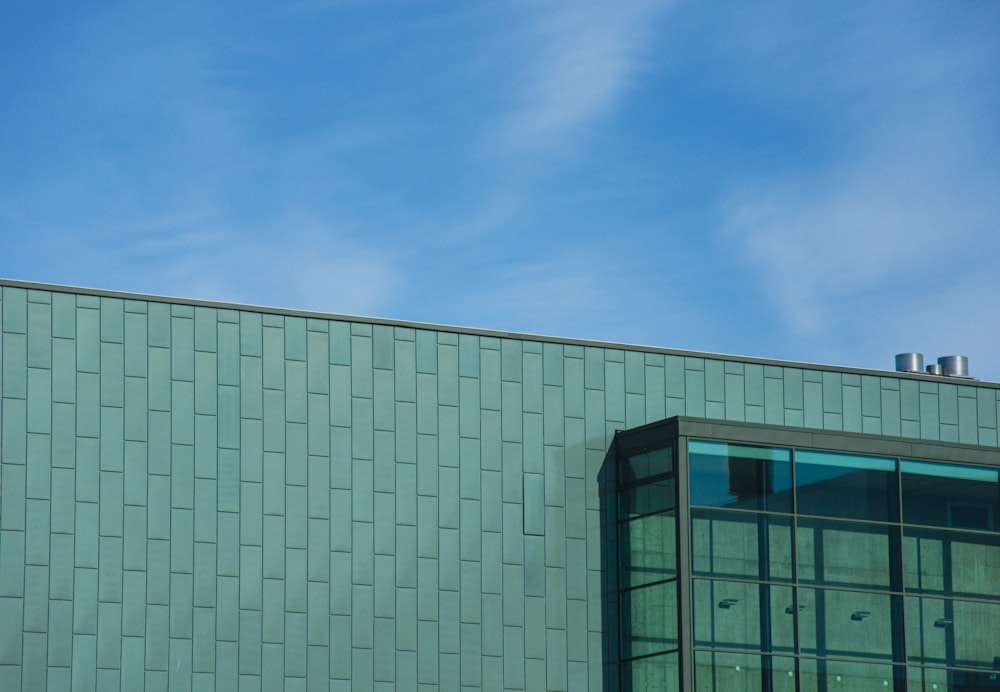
935,369
909,362
954,366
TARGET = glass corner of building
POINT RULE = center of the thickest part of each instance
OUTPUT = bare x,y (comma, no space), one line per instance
747,566
646,523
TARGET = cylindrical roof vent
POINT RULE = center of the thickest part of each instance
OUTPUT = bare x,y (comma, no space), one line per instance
909,362
934,369
954,366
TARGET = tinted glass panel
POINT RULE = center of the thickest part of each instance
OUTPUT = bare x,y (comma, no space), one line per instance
740,476
727,614
843,553
780,603
953,633
845,623
649,620
780,633
735,672
648,547
645,465
951,563
743,615
963,497
647,499
928,680
848,486
741,544
653,673
846,675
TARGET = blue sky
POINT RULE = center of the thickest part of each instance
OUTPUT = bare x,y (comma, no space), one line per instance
807,181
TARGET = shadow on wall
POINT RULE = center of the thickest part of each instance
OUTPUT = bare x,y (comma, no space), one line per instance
608,490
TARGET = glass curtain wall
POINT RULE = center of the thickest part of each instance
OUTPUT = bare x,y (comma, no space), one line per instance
742,563
826,571
647,535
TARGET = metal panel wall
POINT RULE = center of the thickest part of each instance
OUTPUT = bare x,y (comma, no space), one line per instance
204,497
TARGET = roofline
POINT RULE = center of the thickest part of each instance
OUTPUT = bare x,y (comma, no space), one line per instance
477,331
652,435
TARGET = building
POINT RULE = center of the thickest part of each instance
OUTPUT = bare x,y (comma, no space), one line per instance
218,497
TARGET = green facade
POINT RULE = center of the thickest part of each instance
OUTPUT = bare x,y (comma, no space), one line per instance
216,497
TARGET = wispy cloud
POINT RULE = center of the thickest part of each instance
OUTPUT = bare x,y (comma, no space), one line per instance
584,292
550,296
299,264
548,166
557,72
905,210
890,216
579,60
166,183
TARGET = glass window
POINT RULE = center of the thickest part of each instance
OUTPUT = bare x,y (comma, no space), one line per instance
730,544
727,614
649,620
963,497
646,465
648,548
928,679
951,563
850,676
846,485
895,563
944,632
740,476
652,673
735,672
744,615
647,499
845,623
843,553
781,604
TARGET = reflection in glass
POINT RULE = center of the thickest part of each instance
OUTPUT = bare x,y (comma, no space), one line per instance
889,558
740,476
744,615
849,676
648,549
727,614
953,633
843,553
649,620
735,672
846,485
782,674
928,679
963,497
730,544
648,498
845,623
951,563
646,465
652,673
783,616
